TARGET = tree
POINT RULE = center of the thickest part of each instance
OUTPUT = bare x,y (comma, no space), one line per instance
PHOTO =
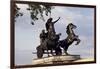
17,13
35,11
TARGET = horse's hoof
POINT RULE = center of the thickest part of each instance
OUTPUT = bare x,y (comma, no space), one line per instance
78,42
67,54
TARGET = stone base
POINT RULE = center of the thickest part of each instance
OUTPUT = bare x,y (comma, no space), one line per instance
56,59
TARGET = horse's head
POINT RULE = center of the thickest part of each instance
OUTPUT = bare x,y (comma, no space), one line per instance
69,29
72,26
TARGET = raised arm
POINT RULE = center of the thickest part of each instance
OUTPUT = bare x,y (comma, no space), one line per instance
56,20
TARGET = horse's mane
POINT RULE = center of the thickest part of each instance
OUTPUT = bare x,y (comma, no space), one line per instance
67,29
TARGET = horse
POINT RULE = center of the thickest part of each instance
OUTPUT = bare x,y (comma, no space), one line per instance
65,43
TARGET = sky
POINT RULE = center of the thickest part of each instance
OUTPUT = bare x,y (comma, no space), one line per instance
27,35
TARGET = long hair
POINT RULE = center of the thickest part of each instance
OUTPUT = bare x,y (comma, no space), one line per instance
49,20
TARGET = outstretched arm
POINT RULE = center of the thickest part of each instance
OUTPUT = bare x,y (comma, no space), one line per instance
56,20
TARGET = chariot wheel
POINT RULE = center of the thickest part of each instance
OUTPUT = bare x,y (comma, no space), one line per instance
39,52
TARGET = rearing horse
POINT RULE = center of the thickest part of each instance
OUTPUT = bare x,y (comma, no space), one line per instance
70,38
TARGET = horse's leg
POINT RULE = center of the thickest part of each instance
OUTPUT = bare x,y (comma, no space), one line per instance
65,50
46,47
78,41
47,51
58,51
52,52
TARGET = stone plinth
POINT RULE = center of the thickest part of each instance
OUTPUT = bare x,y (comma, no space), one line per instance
56,59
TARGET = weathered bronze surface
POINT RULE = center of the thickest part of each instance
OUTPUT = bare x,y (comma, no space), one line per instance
50,40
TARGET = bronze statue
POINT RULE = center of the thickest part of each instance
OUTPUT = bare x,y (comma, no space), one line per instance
50,40
49,44
70,38
43,36
50,25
